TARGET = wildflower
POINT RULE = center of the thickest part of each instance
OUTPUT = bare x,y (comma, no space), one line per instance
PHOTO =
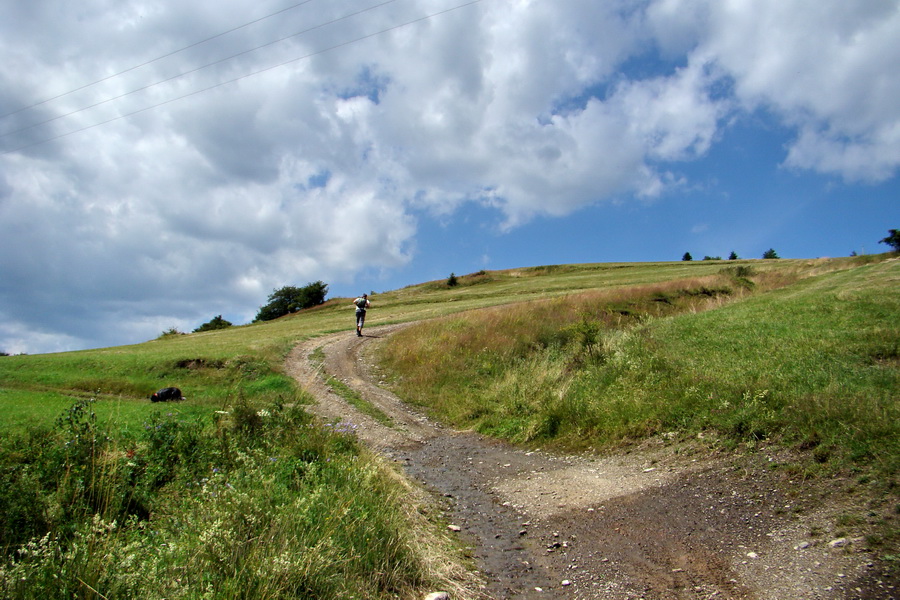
345,427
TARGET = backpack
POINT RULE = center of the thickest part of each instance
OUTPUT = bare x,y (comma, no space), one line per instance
361,303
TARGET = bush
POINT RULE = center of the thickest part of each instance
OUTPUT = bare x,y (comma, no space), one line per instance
216,322
170,332
172,447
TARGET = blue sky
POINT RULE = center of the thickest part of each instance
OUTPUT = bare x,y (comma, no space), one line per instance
165,162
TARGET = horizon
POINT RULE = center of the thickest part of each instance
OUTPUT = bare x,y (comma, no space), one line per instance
372,293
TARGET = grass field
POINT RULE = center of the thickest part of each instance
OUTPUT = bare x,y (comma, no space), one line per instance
807,358
94,477
214,367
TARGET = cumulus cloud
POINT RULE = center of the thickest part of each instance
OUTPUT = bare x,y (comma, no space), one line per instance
318,156
826,68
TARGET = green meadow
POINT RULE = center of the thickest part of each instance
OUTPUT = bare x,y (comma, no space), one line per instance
806,356
238,492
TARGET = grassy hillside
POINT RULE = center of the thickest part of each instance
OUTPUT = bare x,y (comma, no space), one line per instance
213,368
801,357
806,357
101,490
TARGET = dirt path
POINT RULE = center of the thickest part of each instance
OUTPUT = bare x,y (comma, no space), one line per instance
667,521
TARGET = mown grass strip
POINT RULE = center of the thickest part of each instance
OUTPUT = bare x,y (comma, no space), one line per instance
352,397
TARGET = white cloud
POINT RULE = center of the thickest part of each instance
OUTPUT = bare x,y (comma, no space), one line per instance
827,68
314,170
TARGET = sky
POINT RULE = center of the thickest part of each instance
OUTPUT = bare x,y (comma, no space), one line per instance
164,162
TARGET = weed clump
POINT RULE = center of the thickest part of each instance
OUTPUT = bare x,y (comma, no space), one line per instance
258,502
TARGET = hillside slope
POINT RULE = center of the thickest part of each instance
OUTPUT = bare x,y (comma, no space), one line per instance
679,432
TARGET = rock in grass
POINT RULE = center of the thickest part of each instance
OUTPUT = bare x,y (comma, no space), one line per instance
438,596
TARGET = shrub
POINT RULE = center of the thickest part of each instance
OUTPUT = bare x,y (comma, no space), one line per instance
170,332
173,446
216,322
588,333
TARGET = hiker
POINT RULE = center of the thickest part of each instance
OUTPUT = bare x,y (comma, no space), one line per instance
361,304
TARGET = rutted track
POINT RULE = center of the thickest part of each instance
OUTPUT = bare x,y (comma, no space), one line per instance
664,522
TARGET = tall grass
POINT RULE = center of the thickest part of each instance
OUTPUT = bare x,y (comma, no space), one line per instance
472,367
811,362
261,504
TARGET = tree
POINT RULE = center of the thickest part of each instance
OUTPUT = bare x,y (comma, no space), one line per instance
452,280
290,299
216,322
315,294
733,255
687,256
770,253
892,240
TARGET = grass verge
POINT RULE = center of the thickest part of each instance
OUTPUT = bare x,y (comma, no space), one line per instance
260,503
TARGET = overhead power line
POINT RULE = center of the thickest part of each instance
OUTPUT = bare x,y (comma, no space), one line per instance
191,71
150,62
245,76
